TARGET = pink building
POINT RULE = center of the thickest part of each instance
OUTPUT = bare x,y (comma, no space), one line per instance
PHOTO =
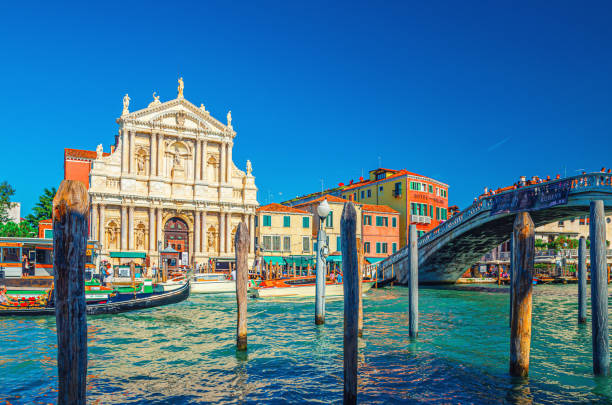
380,231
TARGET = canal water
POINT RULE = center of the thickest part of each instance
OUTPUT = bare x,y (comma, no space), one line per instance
185,353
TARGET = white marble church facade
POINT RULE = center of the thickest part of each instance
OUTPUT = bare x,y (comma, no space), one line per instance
170,178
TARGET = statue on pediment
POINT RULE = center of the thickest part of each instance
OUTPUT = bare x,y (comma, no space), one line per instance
181,86
126,104
155,100
99,152
249,168
229,118
202,108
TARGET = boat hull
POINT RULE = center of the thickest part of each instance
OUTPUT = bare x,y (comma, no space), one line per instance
213,287
123,303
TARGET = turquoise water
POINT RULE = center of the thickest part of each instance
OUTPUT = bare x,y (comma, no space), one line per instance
185,353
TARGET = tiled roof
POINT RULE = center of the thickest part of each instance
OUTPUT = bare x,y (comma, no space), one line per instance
82,154
378,208
398,173
274,207
330,199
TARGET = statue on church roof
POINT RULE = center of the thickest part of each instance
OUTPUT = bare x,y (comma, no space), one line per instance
99,151
249,168
202,108
126,104
181,86
155,100
229,118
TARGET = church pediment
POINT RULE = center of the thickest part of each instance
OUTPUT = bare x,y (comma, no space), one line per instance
178,113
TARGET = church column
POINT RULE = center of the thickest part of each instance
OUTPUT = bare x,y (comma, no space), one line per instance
222,165
228,233
197,230
132,151
228,165
197,154
131,227
252,233
203,159
101,230
93,228
124,227
160,154
153,155
152,229
160,236
125,146
203,232
221,232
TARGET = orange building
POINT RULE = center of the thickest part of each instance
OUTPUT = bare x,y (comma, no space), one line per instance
45,229
380,230
77,164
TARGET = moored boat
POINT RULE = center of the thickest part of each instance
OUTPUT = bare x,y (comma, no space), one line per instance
212,283
299,287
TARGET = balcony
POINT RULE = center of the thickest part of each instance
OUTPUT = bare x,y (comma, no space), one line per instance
420,219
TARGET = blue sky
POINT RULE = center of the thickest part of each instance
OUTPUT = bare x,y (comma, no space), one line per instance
474,94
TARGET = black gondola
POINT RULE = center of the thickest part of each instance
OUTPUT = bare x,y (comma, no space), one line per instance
122,303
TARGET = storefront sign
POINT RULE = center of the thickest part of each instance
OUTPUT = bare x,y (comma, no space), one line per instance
532,198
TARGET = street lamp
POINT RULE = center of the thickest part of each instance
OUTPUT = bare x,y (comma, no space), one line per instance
323,210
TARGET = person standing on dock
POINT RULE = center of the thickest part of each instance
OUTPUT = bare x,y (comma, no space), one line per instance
25,265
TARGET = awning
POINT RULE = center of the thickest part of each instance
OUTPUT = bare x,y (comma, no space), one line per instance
129,255
274,260
334,259
373,260
303,261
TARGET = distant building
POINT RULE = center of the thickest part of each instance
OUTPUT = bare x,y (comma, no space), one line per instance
14,213
572,228
380,231
282,231
418,199
45,229
77,164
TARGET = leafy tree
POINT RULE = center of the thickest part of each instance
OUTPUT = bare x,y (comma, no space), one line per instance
43,208
6,192
11,229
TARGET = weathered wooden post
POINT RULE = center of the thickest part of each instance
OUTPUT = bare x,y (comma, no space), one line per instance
70,228
360,274
511,277
165,271
413,290
293,268
599,290
133,275
582,280
522,280
348,226
241,248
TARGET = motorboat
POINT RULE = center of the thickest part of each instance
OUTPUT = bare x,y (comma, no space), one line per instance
300,287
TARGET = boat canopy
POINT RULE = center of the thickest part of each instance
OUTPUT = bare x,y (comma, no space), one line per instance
274,260
373,260
303,261
334,259
129,255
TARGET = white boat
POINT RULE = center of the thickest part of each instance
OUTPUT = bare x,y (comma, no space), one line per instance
299,287
212,283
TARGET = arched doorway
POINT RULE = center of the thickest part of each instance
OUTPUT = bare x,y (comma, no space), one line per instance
176,235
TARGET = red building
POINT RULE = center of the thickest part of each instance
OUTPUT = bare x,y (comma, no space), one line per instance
380,233
77,164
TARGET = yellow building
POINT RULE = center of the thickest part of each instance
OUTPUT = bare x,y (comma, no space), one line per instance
332,222
281,232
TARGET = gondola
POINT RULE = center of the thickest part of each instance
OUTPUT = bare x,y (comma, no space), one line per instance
120,303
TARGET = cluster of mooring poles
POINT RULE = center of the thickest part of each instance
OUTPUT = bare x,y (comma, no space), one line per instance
521,285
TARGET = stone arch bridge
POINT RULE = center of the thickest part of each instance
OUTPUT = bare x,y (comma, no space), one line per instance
449,249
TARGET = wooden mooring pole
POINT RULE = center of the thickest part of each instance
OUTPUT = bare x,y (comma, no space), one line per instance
360,262
348,227
241,245
599,290
413,291
511,277
582,280
70,228
522,280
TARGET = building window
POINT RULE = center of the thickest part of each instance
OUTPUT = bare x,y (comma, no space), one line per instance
305,222
380,176
394,222
438,213
421,233
384,247
394,247
431,189
267,220
397,189
362,194
355,196
256,245
329,221
267,243
366,247
380,189
287,221
431,211
338,244
369,193
10,255
367,219
276,243
256,221
305,244
443,212
287,243
377,247
379,221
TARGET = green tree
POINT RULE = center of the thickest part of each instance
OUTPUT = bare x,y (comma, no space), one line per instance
43,208
11,229
6,192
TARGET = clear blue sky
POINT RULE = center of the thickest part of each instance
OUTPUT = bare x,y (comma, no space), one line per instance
472,94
